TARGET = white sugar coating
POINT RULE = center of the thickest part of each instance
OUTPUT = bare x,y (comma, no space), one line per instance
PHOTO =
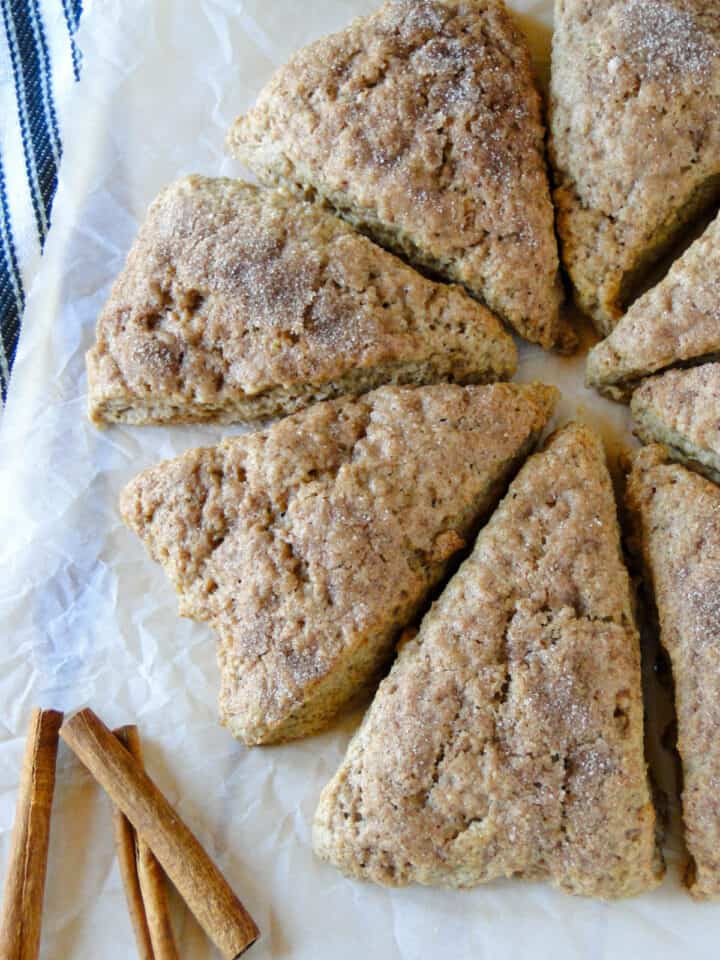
591,765
635,138
254,304
667,39
702,597
419,15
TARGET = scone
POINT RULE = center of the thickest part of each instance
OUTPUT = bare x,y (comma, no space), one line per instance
675,322
677,514
240,304
421,125
681,410
507,740
309,546
635,137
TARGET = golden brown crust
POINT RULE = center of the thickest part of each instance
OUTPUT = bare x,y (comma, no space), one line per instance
678,516
239,304
507,739
635,136
675,322
421,125
681,410
308,546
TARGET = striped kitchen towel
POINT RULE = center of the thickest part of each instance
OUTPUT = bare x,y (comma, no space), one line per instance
39,63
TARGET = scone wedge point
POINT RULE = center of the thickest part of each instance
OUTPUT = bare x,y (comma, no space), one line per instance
635,137
507,740
240,304
310,545
677,322
677,517
421,125
681,410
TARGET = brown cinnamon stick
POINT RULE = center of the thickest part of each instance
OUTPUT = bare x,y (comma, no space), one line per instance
152,884
195,876
25,884
127,859
143,876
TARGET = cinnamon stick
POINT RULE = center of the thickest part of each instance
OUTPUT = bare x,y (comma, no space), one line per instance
143,876
127,859
25,884
195,876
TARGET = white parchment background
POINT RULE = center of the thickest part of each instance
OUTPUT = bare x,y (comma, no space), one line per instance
88,619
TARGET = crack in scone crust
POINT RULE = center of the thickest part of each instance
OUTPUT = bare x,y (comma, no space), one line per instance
310,545
508,738
421,125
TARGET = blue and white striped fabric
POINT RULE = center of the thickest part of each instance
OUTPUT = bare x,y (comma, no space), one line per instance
39,63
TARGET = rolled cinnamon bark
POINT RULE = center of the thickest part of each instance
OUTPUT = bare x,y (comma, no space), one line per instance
194,875
143,876
125,848
25,884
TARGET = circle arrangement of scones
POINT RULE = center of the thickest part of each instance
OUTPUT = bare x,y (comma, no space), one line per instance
363,297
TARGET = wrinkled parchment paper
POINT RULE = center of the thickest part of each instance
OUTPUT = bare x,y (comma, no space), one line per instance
88,619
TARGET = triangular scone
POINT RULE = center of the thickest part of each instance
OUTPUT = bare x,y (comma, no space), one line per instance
507,740
421,125
681,410
635,137
675,322
678,519
239,304
310,545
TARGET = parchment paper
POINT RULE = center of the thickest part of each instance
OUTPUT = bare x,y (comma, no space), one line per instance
88,619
